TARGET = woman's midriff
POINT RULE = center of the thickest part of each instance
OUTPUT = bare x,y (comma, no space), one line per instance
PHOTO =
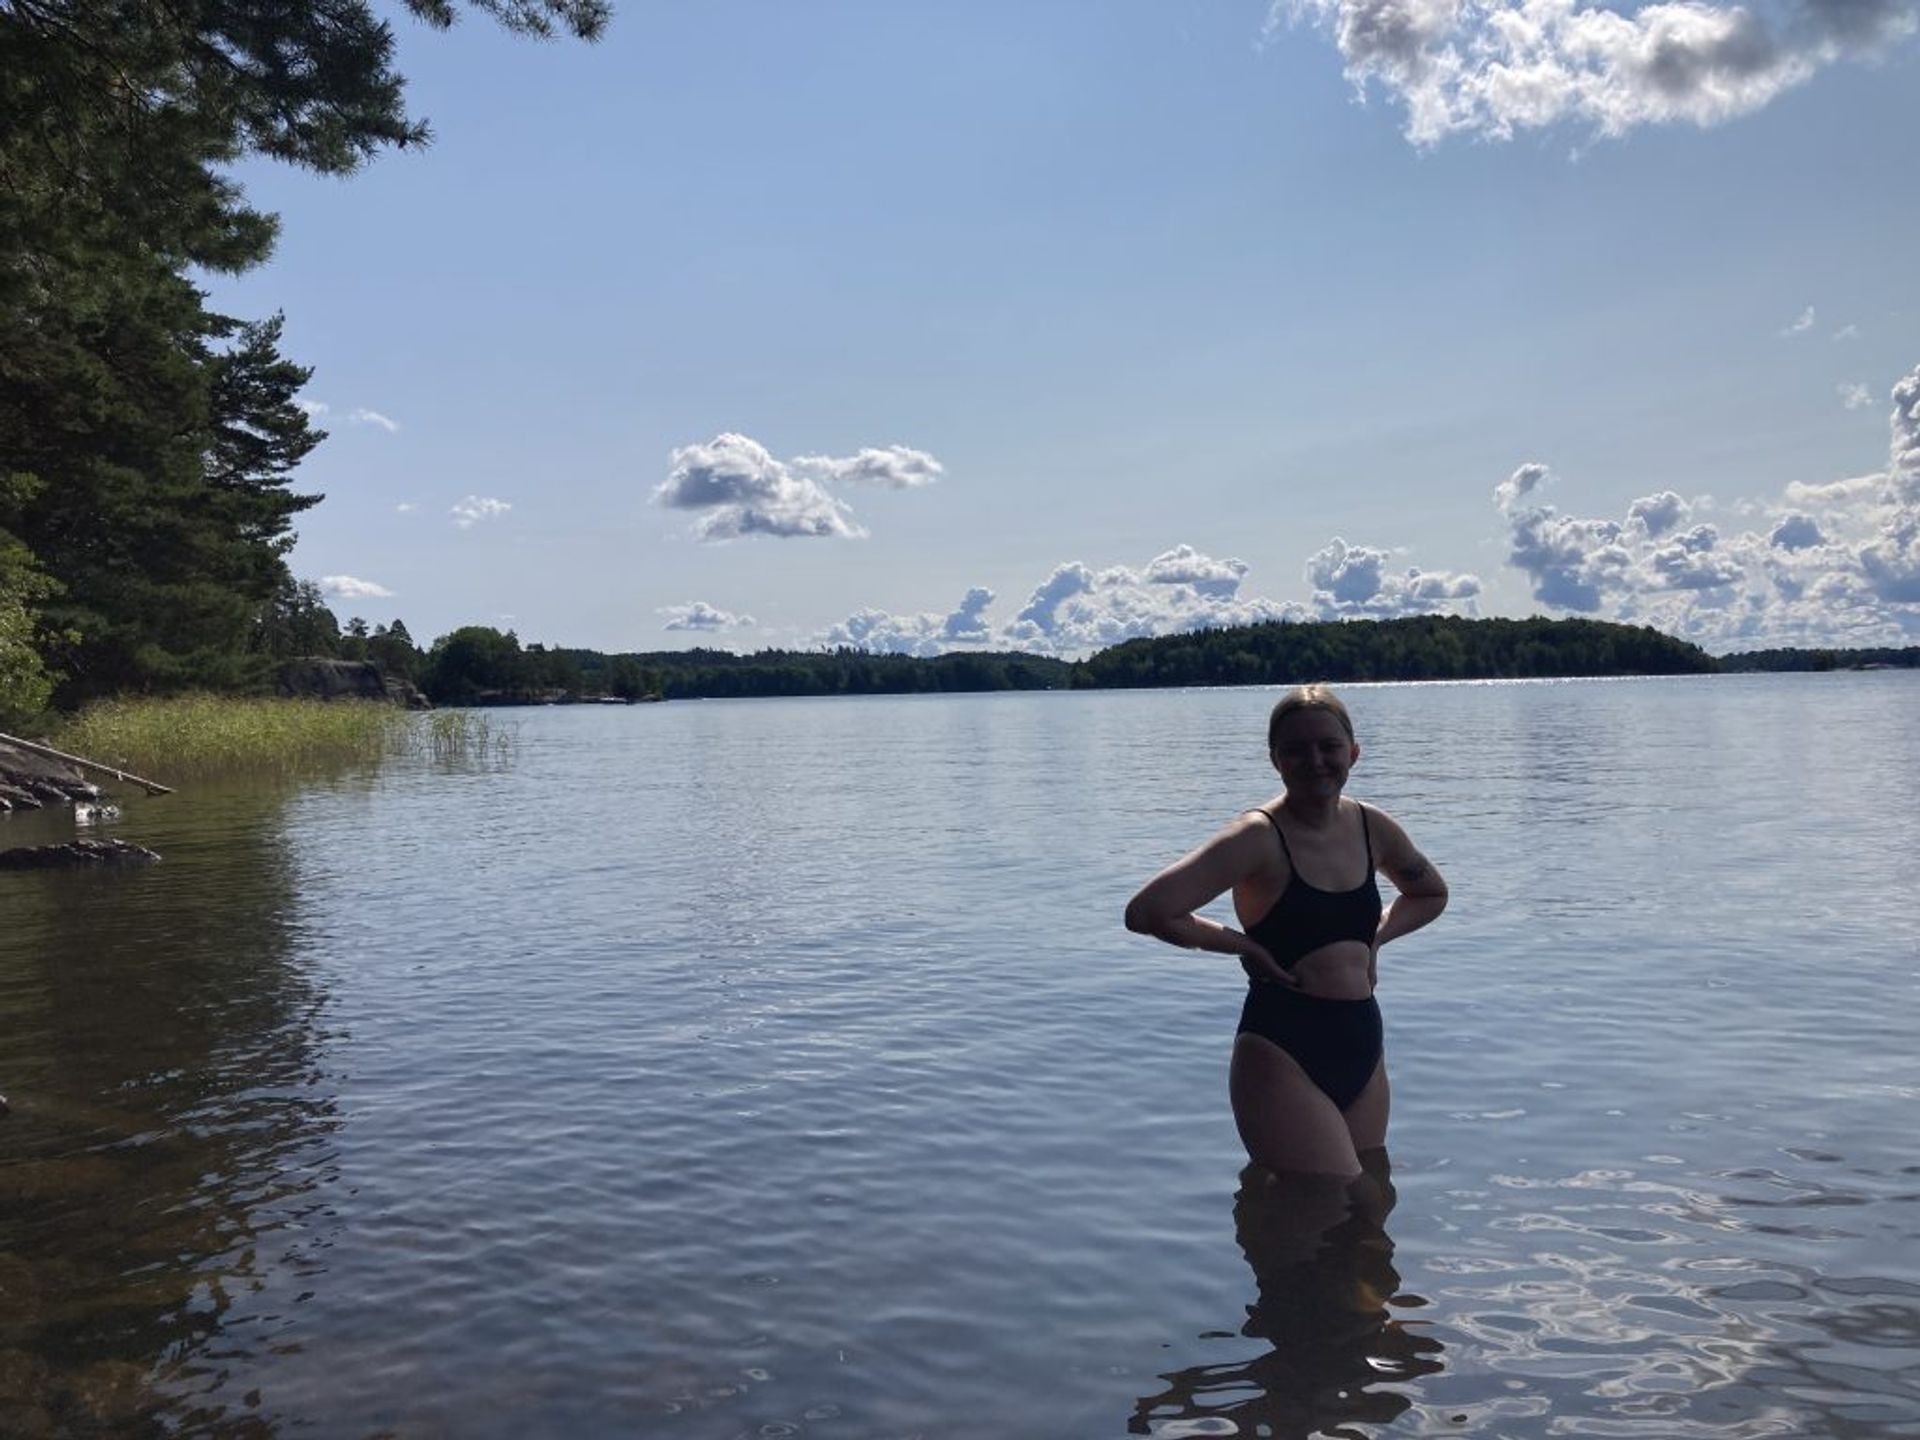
1335,972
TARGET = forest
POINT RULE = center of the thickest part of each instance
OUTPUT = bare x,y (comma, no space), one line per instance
481,665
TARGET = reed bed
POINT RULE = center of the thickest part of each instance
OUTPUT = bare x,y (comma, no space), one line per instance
196,735
454,737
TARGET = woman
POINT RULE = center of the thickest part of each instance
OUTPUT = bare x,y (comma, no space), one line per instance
1309,1080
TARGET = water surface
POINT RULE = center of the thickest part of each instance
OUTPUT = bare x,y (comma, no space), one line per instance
781,1068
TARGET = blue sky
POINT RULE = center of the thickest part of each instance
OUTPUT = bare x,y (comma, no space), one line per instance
1047,324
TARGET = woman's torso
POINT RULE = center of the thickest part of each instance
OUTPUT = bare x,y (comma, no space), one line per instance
1316,904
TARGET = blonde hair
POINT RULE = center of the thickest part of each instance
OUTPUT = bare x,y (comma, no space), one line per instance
1307,697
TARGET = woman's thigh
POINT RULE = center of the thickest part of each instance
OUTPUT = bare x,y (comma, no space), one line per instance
1367,1117
1287,1123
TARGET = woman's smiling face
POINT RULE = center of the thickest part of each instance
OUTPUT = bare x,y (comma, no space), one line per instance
1313,752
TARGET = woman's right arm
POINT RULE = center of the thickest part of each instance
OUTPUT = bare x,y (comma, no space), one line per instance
1165,905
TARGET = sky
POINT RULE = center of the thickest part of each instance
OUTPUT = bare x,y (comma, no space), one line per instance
1043,325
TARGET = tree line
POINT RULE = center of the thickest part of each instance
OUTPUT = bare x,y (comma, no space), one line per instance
148,441
477,664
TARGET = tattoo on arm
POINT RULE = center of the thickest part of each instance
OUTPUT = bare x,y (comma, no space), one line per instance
1416,872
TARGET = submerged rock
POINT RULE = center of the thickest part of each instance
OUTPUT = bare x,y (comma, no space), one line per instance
76,854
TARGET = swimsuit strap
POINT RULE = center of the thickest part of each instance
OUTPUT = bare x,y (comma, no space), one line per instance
1367,831
1284,850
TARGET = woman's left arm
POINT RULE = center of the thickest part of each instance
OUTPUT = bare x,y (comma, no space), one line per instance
1423,894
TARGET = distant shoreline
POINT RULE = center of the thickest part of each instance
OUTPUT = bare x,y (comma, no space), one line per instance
1418,648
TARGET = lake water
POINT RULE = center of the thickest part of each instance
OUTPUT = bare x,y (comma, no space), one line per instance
782,1068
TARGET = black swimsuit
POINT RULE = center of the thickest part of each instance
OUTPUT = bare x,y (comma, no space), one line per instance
1337,1042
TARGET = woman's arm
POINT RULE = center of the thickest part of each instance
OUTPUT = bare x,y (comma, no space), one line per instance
1165,905
1423,893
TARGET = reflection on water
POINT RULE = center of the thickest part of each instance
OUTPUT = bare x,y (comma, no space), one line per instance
781,1068
159,1204
1325,1286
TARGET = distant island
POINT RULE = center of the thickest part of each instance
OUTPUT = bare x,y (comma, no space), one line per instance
479,665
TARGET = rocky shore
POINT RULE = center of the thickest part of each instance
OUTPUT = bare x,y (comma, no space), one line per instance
30,782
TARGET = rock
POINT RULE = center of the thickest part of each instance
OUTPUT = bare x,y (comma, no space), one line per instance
315,677
29,781
76,854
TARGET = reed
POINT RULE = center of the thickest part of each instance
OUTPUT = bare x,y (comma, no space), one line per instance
198,735
455,737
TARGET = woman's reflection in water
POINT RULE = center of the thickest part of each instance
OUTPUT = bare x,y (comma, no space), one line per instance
1323,1277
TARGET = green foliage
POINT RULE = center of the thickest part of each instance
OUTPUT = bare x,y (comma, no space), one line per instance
392,649
1905,657
294,622
473,662
1431,647
154,441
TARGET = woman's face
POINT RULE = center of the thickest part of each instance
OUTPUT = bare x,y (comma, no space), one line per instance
1313,753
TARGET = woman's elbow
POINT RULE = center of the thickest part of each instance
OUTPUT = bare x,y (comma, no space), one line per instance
1142,918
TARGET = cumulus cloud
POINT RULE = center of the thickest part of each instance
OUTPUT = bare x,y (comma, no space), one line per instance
698,615
740,489
1855,396
1490,68
1077,609
475,508
1800,326
375,418
1184,565
1796,531
350,587
1353,580
893,466
926,634
406,507
1847,332
1833,562
1519,485
1572,563
1657,514
1892,562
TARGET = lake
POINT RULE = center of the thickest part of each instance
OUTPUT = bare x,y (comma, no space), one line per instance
782,1068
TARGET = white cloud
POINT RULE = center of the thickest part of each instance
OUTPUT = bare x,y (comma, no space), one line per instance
1490,68
313,408
698,615
474,508
1847,332
1184,565
1353,580
406,507
1834,562
739,489
1855,396
1796,531
349,587
375,418
895,466
1800,326
1657,514
1077,609
926,634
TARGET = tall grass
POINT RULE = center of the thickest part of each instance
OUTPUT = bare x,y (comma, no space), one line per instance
199,735
458,737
